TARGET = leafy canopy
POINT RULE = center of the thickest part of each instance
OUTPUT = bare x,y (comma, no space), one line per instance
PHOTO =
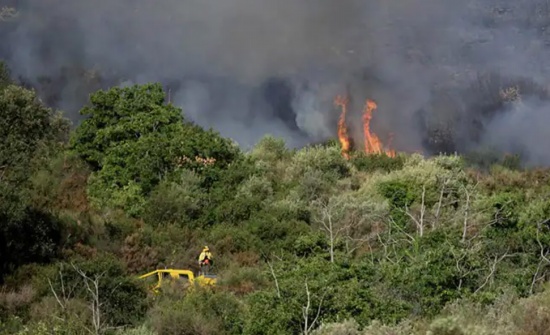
132,139
26,125
28,132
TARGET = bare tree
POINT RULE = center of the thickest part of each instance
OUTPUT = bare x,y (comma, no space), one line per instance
275,279
467,210
392,240
64,295
337,216
439,203
420,221
92,285
306,310
493,269
328,215
543,258
358,232
462,255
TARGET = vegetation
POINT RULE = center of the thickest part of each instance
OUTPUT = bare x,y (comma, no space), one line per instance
306,242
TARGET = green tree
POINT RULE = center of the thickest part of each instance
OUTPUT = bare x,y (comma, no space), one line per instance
28,130
120,118
132,140
26,126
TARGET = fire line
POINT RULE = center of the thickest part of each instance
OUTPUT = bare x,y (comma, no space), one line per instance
372,143
342,102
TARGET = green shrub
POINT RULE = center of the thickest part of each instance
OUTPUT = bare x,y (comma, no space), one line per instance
200,312
445,326
176,201
348,327
35,237
328,161
141,330
369,163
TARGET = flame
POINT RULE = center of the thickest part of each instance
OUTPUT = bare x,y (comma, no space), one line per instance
373,145
372,142
390,152
342,102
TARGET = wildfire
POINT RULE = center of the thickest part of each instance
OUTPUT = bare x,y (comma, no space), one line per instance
342,102
372,142
373,145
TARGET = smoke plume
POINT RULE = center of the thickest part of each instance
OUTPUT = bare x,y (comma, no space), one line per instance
439,70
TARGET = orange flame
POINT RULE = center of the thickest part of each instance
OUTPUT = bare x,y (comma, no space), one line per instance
373,145
390,152
342,102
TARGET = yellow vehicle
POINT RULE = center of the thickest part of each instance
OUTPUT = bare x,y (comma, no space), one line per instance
158,277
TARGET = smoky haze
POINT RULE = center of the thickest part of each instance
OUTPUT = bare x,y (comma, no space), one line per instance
436,68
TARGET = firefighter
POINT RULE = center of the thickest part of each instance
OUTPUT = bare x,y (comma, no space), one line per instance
205,260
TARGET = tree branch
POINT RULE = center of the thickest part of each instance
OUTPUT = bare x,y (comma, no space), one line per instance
493,269
466,212
305,311
542,254
443,188
92,286
275,278
55,295
419,223
535,276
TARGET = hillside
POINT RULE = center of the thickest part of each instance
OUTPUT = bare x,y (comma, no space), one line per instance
304,241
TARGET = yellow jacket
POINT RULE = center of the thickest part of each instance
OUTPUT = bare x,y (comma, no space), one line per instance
205,254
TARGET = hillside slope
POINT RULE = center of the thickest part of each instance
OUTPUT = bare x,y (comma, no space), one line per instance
301,239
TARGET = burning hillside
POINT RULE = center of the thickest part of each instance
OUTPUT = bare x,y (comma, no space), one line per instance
371,142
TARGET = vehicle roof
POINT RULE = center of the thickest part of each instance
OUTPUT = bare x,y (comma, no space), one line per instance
179,271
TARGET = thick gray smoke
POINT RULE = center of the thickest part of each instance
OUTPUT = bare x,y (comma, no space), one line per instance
521,129
253,67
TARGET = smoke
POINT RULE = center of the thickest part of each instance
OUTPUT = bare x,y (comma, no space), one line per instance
253,67
522,129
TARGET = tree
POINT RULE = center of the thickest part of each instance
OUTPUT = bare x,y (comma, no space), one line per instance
339,217
306,311
132,140
113,298
27,130
123,117
26,126
329,216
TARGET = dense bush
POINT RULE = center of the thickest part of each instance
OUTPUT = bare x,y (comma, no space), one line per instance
370,163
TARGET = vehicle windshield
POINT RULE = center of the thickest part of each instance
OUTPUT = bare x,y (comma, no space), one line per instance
151,280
